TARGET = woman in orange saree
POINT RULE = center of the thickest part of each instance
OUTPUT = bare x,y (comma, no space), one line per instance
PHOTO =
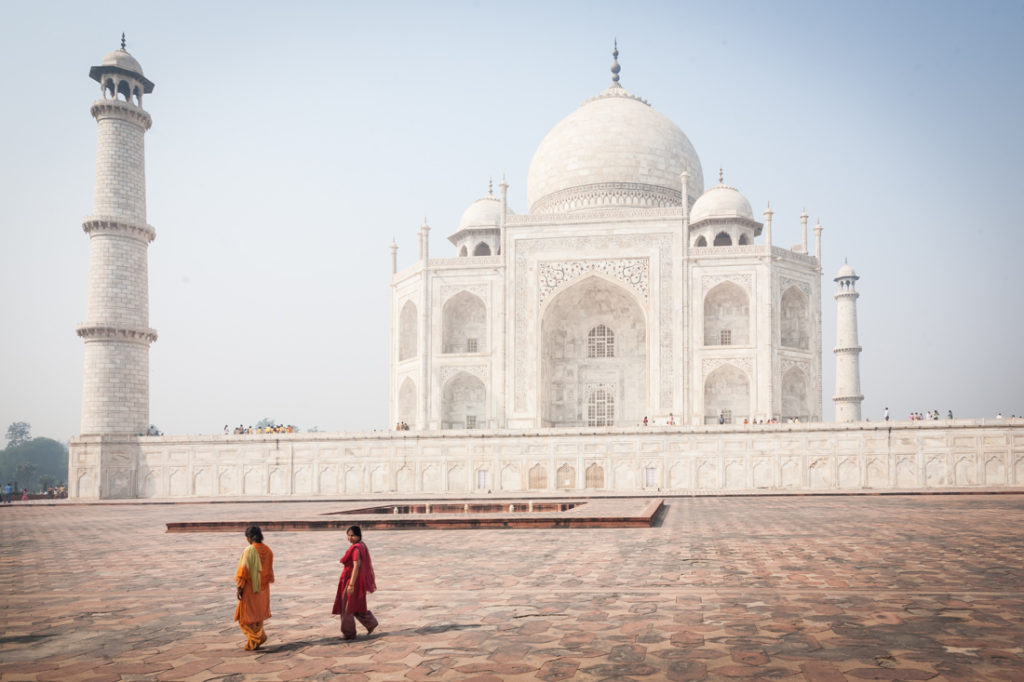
253,577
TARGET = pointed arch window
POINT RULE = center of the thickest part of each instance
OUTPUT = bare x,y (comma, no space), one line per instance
601,342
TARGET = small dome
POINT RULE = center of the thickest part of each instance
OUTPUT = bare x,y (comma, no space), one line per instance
482,213
846,271
122,60
721,201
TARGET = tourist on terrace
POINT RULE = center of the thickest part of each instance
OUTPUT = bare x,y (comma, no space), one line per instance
253,577
356,582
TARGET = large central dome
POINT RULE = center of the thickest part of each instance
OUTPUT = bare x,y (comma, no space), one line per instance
614,151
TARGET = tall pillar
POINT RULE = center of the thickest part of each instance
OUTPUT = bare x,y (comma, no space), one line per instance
848,396
115,388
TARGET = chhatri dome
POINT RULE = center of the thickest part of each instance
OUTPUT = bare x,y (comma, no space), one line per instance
484,212
721,201
615,150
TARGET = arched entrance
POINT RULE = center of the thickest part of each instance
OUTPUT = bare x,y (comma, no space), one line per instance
593,343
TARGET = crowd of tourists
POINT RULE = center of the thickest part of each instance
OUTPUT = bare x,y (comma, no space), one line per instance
931,415
248,430
8,493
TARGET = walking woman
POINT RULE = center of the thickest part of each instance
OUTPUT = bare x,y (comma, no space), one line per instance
253,577
355,583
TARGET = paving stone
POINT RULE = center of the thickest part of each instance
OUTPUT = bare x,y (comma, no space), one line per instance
826,589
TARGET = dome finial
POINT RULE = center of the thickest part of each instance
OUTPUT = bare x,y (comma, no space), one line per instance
615,63
122,40
721,176
490,187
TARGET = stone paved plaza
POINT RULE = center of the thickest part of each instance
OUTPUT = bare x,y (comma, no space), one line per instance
825,588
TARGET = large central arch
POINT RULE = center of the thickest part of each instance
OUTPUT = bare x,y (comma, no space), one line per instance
579,358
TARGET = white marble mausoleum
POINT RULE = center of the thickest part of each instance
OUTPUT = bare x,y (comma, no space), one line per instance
625,290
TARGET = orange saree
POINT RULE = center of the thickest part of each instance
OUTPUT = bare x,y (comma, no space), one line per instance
254,606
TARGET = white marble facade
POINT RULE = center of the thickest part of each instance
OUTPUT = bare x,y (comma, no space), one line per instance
879,456
625,291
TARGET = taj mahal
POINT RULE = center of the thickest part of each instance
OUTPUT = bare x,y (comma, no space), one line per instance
634,331
627,291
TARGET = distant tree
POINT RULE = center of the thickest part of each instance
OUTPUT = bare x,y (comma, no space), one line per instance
34,461
265,422
18,433
25,474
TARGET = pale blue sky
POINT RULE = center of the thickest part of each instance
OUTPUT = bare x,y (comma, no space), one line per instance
291,142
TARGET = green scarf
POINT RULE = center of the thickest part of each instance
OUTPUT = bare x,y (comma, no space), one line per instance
251,560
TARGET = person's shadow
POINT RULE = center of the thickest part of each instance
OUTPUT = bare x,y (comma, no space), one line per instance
301,644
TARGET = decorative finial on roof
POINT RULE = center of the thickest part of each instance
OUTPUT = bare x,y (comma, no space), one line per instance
615,63
721,177
122,40
490,187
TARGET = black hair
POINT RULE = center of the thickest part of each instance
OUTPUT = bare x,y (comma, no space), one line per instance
356,530
254,533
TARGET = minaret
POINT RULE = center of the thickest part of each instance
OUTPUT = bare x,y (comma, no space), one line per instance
115,387
848,397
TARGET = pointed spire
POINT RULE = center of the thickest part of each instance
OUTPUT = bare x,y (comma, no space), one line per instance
122,40
721,176
615,64
490,187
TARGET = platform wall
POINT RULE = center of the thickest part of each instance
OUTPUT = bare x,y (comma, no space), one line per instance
791,457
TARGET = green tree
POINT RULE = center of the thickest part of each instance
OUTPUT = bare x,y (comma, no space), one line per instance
38,459
265,422
25,474
18,433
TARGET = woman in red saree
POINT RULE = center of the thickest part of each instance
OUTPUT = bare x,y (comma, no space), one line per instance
253,577
357,580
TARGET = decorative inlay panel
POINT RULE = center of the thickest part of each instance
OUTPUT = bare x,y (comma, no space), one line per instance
481,291
554,275
709,365
786,282
479,371
743,280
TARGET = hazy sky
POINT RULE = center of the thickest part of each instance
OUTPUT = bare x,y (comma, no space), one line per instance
291,141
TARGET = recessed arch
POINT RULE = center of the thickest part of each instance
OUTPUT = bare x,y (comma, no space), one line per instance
723,239
407,331
701,241
744,240
538,479
795,319
794,395
124,91
463,402
463,252
482,249
464,324
726,395
726,316
407,402
570,376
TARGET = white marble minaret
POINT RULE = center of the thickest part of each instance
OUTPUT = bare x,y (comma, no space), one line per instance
848,397
115,391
